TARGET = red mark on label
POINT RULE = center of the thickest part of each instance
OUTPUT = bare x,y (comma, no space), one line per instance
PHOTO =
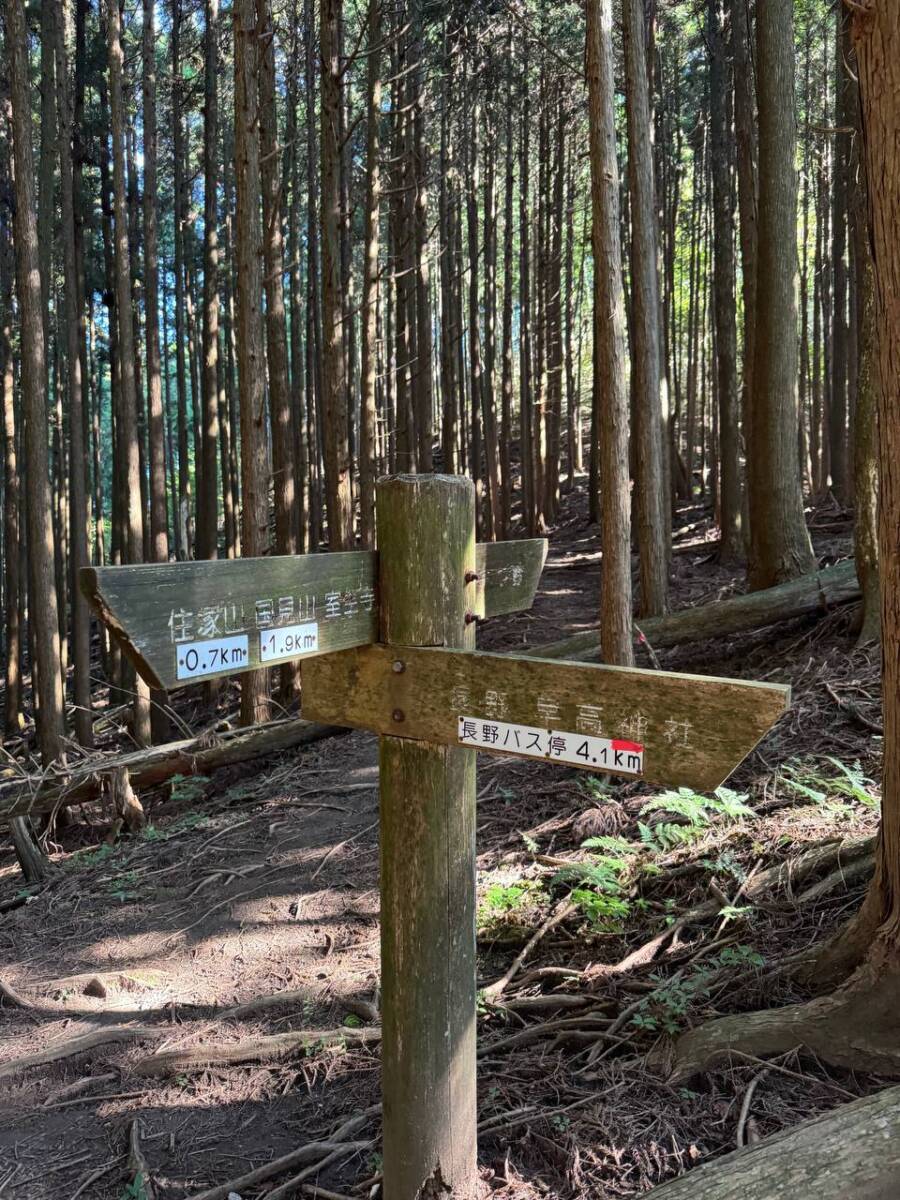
621,744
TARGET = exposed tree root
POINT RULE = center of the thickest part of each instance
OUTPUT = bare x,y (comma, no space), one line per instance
270,1048
851,872
857,1026
78,1045
291,1186
562,910
364,1009
142,1183
85,1084
312,1152
853,1151
851,853
10,996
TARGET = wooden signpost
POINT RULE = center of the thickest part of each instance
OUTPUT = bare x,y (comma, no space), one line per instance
390,643
179,622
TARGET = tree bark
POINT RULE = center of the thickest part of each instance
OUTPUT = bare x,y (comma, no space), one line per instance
13,717
856,1025
745,133
865,423
875,32
281,416
731,500
526,403
854,1150
369,314
506,369
609,335
780,548
652,509
39,501
422,373
250,346
183,507
128,422
207,486
334,363
80,509
837,407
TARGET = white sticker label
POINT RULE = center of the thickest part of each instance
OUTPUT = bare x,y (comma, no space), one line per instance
288,641
212,657
579,749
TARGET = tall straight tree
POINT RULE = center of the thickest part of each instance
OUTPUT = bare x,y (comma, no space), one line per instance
422,374
780,548
876,37
652,509
127,414
609,341
862,962
746,138
369,313
156,433
844,120
159,527
79,511
250,346
207,490
43,610
730,492
182,514
865,424
280,412
12,696
334,364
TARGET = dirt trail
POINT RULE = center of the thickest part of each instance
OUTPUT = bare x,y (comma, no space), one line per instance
265,880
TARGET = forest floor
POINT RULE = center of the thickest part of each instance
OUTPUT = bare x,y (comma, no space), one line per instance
265,879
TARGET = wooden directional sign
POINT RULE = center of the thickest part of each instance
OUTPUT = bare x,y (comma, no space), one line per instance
180,622
433,705
656,725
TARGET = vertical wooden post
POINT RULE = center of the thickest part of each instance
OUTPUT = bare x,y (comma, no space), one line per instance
426,541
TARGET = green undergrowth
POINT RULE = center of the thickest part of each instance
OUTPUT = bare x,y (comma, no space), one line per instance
606,882
837,789
604,885
666,1009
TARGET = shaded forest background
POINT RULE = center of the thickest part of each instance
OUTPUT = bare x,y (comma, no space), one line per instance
253,258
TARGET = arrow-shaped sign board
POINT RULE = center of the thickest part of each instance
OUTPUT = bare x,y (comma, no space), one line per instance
659,726
180,622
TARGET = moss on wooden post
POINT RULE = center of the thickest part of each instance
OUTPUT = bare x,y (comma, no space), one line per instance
426,533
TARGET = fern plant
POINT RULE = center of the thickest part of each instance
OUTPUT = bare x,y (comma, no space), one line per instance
697,813
820,788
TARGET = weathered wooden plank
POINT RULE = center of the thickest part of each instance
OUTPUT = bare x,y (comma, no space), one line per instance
179,622
508,575
694,729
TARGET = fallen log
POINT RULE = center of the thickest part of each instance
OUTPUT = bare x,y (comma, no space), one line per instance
852,1151
155,764
806,596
